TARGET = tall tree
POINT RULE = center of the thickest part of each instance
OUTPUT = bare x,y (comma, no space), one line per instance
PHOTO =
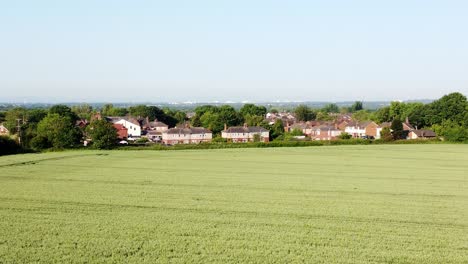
60,131
357,106
304,113
102,133
253,110
397,129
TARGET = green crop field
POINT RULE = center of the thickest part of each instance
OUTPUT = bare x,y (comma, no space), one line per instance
343,204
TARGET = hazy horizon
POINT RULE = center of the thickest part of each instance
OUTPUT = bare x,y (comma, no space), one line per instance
256,51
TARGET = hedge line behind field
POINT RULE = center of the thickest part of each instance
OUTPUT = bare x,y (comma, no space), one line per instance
275,144
9,146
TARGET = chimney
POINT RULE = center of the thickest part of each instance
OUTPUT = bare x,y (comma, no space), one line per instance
225,126
407,120
245,125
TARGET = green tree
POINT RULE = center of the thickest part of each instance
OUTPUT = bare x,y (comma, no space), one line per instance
449,107
102,133
83,111
253,110
331,108
277,129
397,129
361,115
323,116
345,136
386,134
357,106
212,121
110,110
64,111
304,113
60,131
253,120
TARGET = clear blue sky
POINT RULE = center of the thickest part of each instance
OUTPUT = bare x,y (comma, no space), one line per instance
328,50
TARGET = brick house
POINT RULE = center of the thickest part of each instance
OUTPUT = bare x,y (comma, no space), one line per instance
325,132
245,134
422,134
122,132
186,135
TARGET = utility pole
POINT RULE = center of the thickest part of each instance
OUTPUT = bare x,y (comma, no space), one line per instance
18,128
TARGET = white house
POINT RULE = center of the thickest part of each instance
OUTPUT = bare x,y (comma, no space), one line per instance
245,134
133,126
356,129
192,135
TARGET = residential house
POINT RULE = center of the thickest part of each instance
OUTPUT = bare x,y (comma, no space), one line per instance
245,134
422,134
132,125
305,127
186,135
325,132
156,126
122,131
407,126
356,129
373,130
363,129
4,131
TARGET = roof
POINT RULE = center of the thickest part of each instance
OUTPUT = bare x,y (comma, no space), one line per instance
324,128
114,119
425,133
386,124
245,129
361,125
408,126
157,124
191,130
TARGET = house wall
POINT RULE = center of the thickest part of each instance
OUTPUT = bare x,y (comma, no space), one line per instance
356,132
186,138
161,129
245,137
134,130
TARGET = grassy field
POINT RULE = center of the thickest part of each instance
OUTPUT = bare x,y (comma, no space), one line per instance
343,204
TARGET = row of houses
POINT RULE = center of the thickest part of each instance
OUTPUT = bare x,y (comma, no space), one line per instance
330,130
131,128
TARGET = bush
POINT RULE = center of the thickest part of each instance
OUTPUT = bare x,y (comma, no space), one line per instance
9,146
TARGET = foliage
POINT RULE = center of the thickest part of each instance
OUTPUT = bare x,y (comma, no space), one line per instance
60,131
83,111
357,106
9,146
253,120
256,138
110,110
64,111
331,108
323,116
103,134
296,132
253,110
304,113
386,134
361,115
451,131
397,129
345,136
277,129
